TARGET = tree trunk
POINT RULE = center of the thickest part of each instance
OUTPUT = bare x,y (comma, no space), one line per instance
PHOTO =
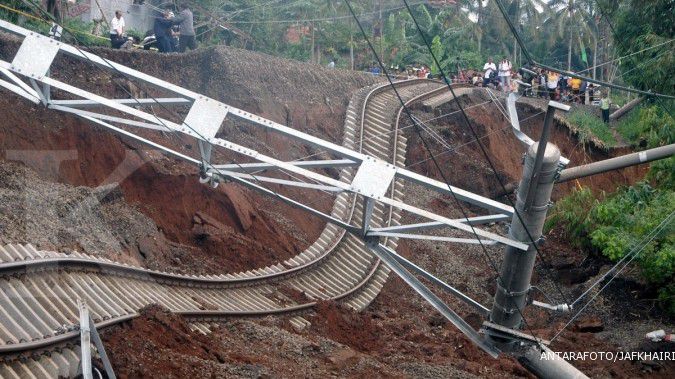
351,45
569,53
311,59
595,54
623,110
480,39
515,49
480,28
381,32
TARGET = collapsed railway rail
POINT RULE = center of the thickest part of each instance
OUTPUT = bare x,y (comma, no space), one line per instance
39,289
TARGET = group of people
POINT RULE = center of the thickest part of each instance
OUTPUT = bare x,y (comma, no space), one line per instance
498,76
168,38
172,33
561,87
542,83
419,71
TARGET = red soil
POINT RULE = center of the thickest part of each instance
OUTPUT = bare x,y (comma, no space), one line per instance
161,344
467,166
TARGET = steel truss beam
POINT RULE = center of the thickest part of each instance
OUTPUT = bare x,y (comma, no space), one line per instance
88,333
18,86
250,167
129,102
435,224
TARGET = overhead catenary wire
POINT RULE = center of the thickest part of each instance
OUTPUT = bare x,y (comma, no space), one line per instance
650,235
484,151
426,146
627,55
455,148
623,45
320,19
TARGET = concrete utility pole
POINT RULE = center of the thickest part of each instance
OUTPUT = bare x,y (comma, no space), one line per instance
541,167
617,163
517,266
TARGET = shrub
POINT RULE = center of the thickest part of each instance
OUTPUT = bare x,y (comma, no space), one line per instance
572,213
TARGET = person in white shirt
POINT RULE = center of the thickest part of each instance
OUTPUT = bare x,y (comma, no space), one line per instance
117,30
505,74
489,68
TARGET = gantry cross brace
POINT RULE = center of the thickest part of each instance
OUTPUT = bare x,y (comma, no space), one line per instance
28,75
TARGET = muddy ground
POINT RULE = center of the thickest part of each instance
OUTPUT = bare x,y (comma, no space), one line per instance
141,207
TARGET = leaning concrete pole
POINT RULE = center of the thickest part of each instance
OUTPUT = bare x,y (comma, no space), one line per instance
541,167
533,198
517,266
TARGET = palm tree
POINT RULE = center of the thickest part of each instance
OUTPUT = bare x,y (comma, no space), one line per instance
571,19
527,14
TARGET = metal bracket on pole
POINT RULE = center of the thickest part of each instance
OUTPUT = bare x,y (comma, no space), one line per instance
543,141
205,153
498,331
88,333
562,308
515,123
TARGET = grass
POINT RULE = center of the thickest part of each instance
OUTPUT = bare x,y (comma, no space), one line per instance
590,128
629,127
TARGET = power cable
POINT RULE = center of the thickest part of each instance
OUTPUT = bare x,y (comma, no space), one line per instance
470,142
322,19
651,234
627,55
484,151
426,146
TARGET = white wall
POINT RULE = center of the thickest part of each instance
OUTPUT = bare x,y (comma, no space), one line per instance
137,17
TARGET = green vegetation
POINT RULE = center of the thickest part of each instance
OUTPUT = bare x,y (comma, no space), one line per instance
571,34
617,224
614,224
591,128
640,24
39,22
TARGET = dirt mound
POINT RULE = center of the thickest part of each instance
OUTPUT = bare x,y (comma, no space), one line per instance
66,218
343,325
161,344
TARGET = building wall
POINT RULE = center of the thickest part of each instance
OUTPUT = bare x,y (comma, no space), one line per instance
137,17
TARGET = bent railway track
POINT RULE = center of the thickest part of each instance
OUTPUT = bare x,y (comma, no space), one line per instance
39,289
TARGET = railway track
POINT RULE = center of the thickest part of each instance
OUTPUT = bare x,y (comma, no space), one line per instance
39,289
